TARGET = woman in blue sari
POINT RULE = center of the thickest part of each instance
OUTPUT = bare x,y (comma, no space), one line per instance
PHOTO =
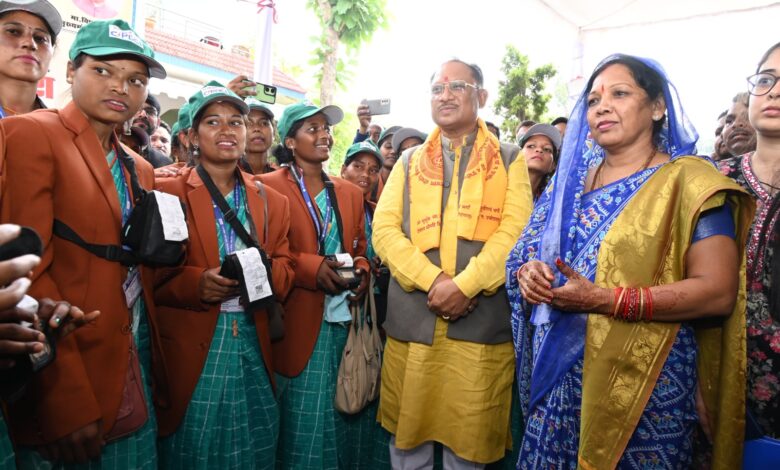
607,343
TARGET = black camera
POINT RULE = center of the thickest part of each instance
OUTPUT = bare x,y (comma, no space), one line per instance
347,273
256,299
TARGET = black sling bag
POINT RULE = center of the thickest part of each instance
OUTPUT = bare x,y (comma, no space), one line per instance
142,234
231,266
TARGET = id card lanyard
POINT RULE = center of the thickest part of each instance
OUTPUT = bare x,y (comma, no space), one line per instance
228,234
126,205
132,286
320,225
369,217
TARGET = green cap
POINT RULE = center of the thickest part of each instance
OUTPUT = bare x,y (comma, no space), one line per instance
363,147
298,111
255,104
214,92
183,121
104,38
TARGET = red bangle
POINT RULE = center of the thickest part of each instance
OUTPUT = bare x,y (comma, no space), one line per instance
632,304
627,304
637,305
632,308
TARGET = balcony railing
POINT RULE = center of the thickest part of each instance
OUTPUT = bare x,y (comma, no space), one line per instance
175,23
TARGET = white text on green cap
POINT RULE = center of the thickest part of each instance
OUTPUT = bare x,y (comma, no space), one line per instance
129,35
211,90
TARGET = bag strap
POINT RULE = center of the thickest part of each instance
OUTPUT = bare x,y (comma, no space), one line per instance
261,188
108,252
354,311
229,214
113,253
129,164
331,189
372,305
369,309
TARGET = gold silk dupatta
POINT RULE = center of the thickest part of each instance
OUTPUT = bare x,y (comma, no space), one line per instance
646,246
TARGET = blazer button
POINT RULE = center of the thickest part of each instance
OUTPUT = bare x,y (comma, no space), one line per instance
203,346
126,329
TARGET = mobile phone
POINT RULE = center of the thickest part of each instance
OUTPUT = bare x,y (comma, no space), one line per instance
376,107
348,274
266,93
27,243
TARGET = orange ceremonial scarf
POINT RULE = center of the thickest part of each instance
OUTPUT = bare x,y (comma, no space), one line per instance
481,196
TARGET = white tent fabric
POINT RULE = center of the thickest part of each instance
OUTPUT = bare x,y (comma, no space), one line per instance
706,46
602,15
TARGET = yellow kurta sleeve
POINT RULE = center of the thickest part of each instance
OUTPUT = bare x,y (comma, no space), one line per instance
409,266
486,271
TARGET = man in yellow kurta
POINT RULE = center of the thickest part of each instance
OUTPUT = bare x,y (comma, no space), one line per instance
448,216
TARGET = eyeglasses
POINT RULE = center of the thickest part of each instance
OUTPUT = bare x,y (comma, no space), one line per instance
457,87
761,83
150,110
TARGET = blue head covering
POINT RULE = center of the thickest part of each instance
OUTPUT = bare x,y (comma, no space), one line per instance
563,195
677,138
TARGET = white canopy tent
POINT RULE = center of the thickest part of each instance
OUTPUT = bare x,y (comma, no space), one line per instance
595,16
707,46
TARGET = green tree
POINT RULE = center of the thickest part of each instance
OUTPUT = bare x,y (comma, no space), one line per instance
347,22
343,133
521,95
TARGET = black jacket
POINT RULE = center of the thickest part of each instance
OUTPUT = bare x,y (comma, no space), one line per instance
156,158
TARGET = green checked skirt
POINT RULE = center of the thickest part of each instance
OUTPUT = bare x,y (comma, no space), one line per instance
137,451
312,433
232,419
368,444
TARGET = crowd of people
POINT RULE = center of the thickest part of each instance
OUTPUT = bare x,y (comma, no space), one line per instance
592,294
